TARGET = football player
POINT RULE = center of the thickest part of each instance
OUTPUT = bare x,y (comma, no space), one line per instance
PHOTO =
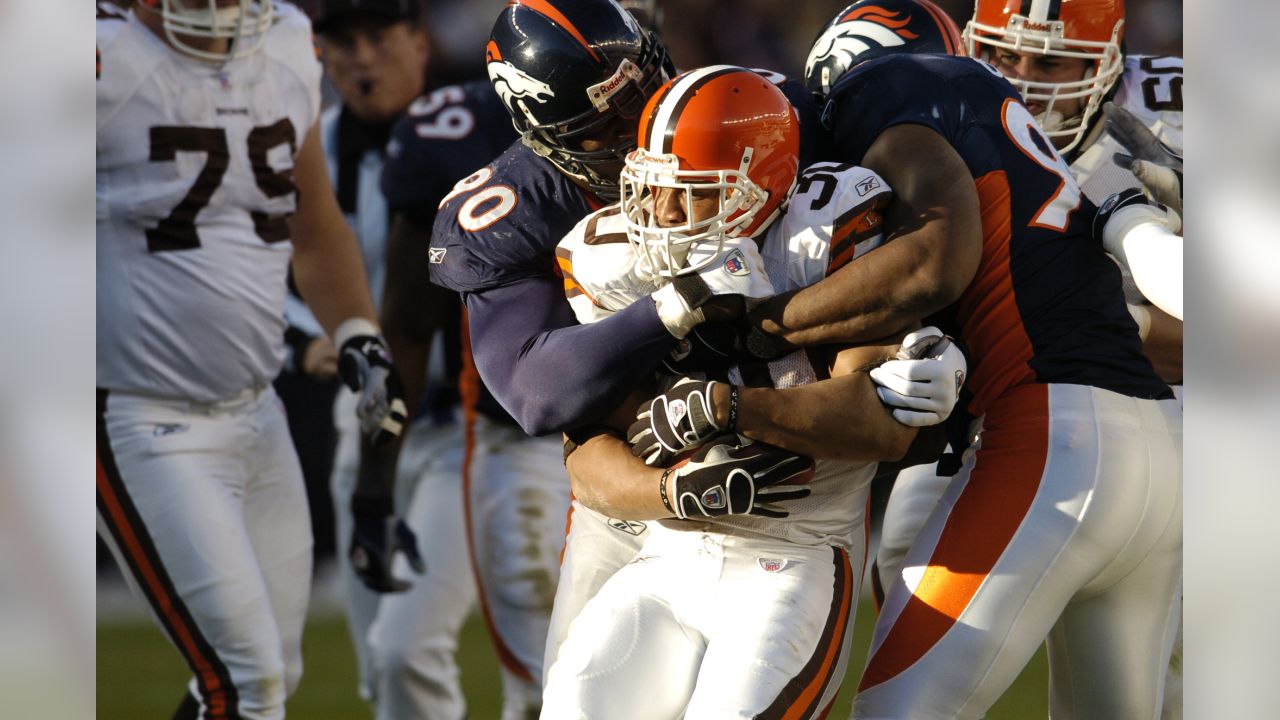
989,240
211,184
515,490
1067,62
717,161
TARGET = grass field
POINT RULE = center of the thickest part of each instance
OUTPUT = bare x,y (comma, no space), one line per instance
141,677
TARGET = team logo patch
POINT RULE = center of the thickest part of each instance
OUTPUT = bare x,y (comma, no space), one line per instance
676,411
867,185
736,264
517,88
163,429
772,565
435,256
630,527
713,497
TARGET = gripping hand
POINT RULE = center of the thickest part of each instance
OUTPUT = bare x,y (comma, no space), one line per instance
725,477
673,422
923,384
1159,170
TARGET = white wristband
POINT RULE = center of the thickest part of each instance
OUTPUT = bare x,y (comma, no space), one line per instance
1126,219
1142,316
351,327
674,312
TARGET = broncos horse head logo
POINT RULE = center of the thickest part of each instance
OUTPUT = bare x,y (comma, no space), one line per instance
517,88
862,29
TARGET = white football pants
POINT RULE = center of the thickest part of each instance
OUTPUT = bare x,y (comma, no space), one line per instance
205,510
708,625
1065,522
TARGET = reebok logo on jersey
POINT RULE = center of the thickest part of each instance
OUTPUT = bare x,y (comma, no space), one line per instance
736,264
865,186
630,527
772,565
435,256
163,429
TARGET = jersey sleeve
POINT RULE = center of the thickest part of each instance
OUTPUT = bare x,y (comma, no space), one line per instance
889,91
836,215
599,267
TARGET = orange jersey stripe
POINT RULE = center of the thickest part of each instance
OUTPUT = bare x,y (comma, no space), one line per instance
551,11
469,390
988,312
1001,488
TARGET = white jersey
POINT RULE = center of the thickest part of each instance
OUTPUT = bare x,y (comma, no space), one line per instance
834,216
193,191
1151,88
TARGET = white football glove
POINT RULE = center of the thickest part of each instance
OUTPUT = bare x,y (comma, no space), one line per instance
1158,169
715,293
923,384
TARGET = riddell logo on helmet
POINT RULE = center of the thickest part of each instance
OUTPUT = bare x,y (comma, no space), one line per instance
602,92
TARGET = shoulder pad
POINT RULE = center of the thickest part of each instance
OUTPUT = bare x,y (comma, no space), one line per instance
501,224
835,215
599,266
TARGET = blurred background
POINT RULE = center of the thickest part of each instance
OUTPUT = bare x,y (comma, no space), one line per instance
48,603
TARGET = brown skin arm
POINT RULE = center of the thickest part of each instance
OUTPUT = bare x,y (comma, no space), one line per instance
326,257
412,307
1163,346
935,232
841,418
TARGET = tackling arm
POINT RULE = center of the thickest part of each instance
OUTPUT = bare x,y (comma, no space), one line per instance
840,418
935,228
549,372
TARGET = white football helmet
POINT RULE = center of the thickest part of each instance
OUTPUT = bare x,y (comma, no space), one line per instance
243,22
1085,29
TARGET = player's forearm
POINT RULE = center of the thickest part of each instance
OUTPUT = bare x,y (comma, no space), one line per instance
1163,344
836,419
331,278
412,308
607,478
550,373
1154,257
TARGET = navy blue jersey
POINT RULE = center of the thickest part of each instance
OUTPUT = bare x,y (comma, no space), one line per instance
446,135
1046,304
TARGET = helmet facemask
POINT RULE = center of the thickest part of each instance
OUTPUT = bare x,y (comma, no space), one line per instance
1105,63
695,244
244,24
612,120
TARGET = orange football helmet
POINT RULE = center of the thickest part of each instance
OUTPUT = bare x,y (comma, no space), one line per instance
720,128
1086,29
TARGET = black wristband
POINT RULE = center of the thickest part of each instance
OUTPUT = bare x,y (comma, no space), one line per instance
371,506
662,490
733,409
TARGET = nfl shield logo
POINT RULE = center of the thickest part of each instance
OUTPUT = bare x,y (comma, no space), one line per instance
713,497
772,565
735,264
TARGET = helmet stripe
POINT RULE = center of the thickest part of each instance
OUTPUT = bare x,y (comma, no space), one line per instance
543,7
662,131
946,26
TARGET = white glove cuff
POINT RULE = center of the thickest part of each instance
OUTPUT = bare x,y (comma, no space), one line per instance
351,327
1142,316
674,312
1127,219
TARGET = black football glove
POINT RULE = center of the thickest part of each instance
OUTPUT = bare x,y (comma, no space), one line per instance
1156,167
725,477
675,421
377,537
365,366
